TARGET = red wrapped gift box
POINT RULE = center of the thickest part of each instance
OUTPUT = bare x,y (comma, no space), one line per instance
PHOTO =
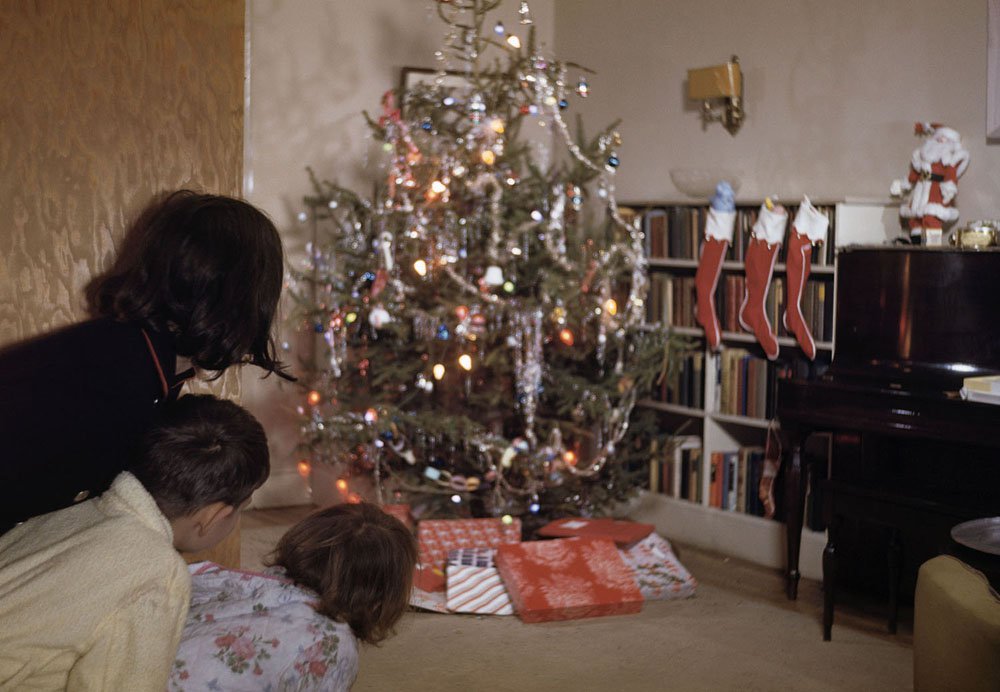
568,578
437,537
621,531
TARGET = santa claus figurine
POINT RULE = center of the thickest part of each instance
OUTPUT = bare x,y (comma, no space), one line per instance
932,183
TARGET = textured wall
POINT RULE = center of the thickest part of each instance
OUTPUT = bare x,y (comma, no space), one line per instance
102,104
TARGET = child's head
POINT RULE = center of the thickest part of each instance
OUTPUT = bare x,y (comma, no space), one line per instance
359,560
206,268
201,461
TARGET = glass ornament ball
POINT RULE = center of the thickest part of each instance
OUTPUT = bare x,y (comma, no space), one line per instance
314,398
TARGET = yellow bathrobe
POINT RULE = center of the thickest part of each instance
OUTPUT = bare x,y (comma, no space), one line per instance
92,597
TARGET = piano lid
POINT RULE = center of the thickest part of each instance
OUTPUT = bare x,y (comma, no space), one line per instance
917,314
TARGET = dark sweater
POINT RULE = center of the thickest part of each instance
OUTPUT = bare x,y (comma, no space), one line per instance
73,404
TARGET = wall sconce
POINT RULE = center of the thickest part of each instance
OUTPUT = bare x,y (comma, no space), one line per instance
724,82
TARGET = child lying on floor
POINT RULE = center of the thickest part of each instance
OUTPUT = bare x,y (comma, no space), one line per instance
340,575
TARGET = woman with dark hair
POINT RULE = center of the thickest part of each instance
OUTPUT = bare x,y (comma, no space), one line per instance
341,575
194,289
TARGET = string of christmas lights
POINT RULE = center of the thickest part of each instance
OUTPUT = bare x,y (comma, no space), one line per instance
482,338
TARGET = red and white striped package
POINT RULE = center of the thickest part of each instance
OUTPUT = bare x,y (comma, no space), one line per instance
474,584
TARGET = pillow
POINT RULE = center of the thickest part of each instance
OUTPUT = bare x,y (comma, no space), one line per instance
253,631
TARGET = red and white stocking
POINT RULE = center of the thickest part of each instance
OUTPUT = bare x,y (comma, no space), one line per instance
762,251
809,229
718,235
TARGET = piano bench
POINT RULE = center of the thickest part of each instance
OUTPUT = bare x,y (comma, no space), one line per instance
894,512
956,628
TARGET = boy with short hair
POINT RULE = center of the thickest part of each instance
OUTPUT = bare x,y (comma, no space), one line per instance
95,596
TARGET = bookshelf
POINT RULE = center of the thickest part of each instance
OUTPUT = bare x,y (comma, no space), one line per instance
720,404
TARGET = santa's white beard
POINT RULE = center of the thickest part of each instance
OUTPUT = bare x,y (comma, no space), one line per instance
934,151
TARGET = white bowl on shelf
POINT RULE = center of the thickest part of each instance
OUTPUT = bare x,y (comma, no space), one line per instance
700,182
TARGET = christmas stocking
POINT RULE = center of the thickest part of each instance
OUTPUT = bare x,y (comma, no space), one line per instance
762,251
718,235
809,229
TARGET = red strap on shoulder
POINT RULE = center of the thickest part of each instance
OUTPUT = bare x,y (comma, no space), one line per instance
156,362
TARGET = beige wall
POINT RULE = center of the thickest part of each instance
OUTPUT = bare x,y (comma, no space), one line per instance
832,90
315,66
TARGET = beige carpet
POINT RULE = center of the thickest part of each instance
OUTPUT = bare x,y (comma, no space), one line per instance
738,633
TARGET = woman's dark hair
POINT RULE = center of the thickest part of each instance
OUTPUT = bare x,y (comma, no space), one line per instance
359,560
207,269
201,450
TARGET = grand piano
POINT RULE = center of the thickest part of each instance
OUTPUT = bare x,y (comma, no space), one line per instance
909,457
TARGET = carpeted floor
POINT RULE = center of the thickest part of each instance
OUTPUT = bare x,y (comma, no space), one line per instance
738,633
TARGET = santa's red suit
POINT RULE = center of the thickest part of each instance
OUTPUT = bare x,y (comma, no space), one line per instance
933,180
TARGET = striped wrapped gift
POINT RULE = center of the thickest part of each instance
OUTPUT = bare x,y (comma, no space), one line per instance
474,584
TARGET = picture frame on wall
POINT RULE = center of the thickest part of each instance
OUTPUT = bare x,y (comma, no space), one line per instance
412,76
453,83
993,71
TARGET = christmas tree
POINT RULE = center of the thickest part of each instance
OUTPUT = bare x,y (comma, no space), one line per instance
479,318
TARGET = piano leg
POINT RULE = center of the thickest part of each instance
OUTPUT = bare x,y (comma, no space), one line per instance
895,564
794,507
829,576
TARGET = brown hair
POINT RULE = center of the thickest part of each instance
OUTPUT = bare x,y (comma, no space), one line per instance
207,269
359,560
201,450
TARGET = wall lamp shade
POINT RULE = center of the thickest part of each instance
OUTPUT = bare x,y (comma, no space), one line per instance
719,85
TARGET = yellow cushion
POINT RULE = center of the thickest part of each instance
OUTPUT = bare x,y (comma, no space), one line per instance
956,629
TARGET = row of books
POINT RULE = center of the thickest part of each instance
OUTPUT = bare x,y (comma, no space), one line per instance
684,383
675,232
733,476
734,480
677,472
672,299
747,385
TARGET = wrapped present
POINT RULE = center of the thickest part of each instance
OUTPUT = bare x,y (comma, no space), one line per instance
437,537
568,578
658,572
429,578
474,584
428,600
621,531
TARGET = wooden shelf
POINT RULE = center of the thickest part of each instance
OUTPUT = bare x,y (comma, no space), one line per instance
672,408
667,263
734,533
746,421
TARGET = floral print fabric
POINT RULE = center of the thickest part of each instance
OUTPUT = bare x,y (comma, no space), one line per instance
259,632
